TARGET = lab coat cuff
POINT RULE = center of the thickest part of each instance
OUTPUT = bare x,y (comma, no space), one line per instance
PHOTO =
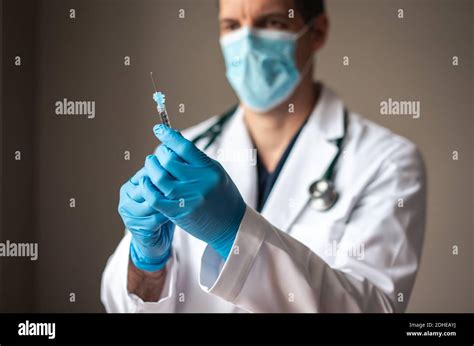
226,279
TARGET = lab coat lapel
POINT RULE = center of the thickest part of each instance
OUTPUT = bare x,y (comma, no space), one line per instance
237,155
308,161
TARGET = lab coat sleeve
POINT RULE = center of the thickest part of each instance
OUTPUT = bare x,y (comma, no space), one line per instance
114,294
273,272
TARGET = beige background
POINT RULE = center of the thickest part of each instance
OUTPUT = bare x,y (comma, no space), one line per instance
82,59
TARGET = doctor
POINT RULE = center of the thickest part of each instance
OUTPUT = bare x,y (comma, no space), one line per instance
329,217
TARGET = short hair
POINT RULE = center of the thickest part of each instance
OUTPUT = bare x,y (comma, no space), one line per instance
309,9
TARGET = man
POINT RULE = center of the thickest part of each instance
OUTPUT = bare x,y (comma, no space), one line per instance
205,236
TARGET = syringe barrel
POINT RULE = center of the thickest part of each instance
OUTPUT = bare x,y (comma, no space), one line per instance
164,116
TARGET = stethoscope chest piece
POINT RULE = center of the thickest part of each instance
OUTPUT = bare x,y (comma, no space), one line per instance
323,195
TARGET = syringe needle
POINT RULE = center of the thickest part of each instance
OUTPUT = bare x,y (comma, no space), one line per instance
159,98
153,81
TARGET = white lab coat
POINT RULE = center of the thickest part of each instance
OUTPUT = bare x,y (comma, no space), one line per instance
360,256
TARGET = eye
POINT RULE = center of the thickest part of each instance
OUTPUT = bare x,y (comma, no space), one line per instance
278,24
229,26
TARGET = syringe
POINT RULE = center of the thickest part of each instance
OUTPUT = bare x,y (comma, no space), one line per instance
160,100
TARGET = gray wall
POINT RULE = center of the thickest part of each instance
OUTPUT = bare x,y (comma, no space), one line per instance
82,59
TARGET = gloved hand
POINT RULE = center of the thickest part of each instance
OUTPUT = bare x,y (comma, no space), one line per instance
193,191
152,233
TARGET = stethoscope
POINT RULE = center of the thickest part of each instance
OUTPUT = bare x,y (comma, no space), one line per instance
322,193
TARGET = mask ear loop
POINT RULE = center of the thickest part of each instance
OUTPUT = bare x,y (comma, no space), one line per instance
311,59
304,30
307,66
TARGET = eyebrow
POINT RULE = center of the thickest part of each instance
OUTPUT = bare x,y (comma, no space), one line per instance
280,14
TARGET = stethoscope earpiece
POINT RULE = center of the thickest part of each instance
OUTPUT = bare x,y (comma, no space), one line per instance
323,195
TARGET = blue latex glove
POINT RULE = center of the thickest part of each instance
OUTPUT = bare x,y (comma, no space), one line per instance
152,233
193,191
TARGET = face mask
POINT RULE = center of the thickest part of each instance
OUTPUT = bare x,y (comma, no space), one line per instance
261,65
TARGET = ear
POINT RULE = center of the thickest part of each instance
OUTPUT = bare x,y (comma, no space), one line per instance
320,31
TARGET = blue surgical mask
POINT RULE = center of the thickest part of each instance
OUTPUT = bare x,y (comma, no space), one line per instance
261,65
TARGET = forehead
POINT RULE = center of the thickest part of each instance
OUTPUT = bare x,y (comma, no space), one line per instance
253,8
